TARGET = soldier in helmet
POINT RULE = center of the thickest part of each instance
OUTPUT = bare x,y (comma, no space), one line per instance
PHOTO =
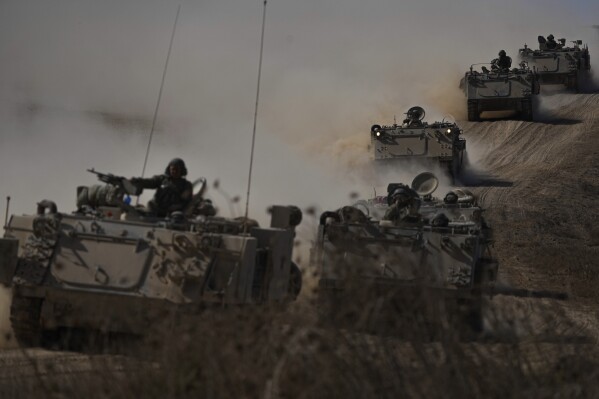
502,63
404,204
551,44
413,117
173,191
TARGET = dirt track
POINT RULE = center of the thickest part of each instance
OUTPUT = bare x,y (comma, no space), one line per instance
540,184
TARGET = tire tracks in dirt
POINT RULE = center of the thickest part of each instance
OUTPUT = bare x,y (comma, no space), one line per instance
544,217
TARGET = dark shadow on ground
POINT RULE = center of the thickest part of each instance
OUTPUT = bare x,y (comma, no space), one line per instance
475,178
539,118
490,337
548,120
506,119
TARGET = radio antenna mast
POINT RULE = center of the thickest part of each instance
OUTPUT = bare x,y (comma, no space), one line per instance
6,214
168,56
247,202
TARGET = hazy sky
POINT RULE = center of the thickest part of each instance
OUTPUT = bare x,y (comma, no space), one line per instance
79,82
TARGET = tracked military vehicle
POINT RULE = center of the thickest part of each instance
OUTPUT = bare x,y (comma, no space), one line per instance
115,268
431,266
439,142
500,89
557,63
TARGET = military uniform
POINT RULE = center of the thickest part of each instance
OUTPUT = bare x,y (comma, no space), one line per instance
404,204
503,62
172,193
551,44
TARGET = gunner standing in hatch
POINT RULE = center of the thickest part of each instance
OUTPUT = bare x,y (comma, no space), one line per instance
173,191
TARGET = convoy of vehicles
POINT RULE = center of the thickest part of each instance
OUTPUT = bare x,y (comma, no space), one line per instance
115,268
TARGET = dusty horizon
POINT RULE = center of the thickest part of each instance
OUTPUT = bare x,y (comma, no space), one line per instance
79,83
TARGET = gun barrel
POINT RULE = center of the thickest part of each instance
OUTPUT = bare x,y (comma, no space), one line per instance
108,178
524,293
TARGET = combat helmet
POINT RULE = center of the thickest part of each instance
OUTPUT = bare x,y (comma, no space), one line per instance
180,163
400,193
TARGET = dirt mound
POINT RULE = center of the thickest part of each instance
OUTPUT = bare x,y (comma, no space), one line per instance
540,183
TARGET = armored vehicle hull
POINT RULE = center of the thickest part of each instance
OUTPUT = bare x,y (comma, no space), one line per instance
436,270
72,271
438,143
559,65
419,270
500,90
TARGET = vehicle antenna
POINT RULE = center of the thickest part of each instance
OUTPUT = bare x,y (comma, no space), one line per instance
6,214
247,202
168,56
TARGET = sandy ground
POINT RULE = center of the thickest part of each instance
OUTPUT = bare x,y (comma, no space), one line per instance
539,182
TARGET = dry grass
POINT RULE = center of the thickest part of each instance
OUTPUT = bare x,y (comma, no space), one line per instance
529,349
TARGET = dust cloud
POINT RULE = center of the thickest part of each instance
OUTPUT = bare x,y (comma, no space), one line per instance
79,82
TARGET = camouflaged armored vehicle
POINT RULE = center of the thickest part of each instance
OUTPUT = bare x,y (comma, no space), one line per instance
556,63
439,142
113,268
431,267
500,89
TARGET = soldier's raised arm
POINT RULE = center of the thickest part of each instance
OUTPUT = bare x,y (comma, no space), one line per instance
141,183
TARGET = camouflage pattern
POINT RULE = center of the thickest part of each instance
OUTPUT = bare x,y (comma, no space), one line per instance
102,270
439,142
500,90
445,253
556,63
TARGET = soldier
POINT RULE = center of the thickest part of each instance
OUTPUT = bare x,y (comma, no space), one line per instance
551,44
404,204
173,191
503,62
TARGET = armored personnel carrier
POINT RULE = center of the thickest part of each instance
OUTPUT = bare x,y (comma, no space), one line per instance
557,63
500,89
114,268
439,142
430,265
